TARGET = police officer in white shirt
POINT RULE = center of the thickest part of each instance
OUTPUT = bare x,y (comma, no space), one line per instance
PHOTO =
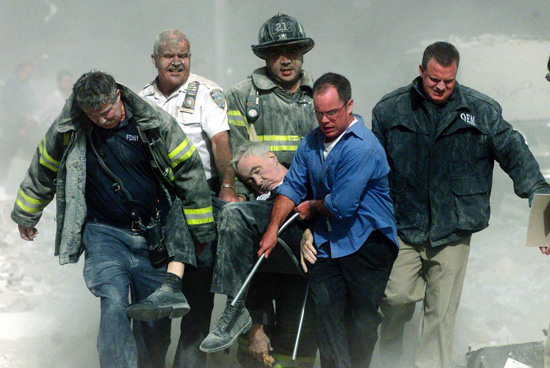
200,108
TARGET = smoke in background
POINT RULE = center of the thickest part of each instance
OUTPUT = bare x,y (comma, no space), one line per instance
47,316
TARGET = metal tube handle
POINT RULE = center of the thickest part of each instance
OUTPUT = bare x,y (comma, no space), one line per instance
258,263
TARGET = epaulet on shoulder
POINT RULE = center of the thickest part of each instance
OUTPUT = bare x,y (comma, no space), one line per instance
398,92
471,93
206,82
146,89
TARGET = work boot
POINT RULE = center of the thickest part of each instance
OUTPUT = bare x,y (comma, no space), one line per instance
166,301
233,322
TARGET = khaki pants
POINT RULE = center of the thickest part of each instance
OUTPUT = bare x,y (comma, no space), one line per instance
432,275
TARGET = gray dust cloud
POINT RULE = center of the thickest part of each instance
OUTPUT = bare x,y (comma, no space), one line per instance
48,318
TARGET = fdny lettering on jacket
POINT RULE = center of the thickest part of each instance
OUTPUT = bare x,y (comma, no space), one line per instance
132,137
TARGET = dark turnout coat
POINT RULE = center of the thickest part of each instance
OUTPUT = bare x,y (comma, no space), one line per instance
59,169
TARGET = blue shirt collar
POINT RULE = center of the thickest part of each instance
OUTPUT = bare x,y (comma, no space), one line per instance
356,129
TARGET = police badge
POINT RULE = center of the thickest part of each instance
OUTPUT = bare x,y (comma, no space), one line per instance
189,101
218,97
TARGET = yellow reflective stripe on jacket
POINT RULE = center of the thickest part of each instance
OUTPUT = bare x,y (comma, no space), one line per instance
197,216
281,142
45,159
29,204
171,176
234,117
181,152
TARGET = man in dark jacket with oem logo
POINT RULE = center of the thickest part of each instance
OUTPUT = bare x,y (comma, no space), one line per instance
441,140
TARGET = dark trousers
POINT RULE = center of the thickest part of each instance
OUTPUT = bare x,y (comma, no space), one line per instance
280,325
240,230
195,325
346,293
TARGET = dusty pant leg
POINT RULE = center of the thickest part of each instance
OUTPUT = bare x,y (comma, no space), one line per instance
288,292
267,282
366,273
196,324
241,225
405,287
263,289
445,268
262,292
281,327
107,276
153,338
329,295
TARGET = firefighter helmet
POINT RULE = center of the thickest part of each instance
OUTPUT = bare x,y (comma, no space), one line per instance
281,30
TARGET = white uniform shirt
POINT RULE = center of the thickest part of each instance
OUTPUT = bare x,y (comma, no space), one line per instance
209,115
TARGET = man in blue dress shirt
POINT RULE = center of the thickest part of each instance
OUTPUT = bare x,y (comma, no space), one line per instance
339,177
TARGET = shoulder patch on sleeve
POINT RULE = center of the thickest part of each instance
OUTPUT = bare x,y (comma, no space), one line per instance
218,97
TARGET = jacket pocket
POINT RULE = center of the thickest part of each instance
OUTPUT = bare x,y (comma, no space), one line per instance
397,183
472,203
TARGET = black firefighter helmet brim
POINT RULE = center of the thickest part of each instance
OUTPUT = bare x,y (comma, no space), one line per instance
304,43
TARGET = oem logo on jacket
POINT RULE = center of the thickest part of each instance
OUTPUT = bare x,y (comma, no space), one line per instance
470,119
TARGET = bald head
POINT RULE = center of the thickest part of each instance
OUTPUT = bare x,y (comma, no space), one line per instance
171,36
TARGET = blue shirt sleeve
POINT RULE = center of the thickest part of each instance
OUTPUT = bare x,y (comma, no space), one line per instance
354,170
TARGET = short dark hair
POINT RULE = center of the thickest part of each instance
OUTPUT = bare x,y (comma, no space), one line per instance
341,83
94,89
548,65
443,52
